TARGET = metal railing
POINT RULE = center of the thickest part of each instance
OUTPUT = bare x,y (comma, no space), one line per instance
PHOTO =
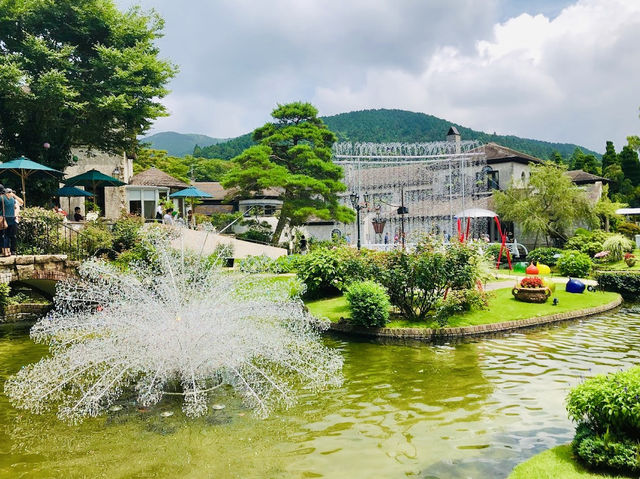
43,236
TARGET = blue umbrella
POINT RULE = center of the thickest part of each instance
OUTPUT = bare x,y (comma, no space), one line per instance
191,192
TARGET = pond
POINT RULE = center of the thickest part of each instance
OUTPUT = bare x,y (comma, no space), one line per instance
472,409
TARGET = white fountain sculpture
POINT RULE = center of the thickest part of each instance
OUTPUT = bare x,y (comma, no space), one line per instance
176,324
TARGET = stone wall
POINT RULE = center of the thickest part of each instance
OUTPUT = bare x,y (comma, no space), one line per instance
24,312
47,267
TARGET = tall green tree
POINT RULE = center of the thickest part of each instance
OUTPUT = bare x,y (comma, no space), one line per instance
556,158
610,156
577,160
293,154
77,73
630,165
590,164
548,206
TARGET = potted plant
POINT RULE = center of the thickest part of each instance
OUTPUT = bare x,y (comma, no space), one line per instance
630,260
531,290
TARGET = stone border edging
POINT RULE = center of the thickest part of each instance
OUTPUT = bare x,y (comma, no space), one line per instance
430,334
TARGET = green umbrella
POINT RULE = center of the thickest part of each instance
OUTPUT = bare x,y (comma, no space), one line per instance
24,168
71,191
93,179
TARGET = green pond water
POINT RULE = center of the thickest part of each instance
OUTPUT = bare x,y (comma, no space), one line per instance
466,410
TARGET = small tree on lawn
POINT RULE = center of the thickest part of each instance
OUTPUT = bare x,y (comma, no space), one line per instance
548,206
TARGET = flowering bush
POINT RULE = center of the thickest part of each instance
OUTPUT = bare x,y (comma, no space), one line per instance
531,282
630,259
601,255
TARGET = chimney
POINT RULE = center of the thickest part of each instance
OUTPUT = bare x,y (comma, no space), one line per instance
454,135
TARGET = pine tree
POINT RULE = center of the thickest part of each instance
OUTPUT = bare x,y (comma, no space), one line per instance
610,156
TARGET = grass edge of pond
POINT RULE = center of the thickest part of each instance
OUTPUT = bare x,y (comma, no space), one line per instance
554,463
502,308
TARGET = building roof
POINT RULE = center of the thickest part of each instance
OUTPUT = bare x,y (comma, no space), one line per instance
453,131
215,189
155,177
500,154
580,177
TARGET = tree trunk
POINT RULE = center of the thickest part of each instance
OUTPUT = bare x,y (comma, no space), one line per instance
606,223
282,221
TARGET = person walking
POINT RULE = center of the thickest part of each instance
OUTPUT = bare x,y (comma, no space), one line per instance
9,201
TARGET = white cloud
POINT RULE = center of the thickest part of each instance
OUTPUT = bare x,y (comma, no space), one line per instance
572,77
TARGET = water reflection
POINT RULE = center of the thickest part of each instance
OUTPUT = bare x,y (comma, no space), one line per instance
462,410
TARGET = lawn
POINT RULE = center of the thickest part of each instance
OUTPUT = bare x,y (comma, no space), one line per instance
555,463
620,265
502,307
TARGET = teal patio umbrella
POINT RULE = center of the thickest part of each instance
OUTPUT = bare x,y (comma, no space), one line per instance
191,192
71,192
24,168
93,179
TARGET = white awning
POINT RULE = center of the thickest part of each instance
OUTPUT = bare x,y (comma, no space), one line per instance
476,213
628,211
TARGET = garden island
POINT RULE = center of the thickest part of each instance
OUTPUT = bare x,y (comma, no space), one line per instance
315,299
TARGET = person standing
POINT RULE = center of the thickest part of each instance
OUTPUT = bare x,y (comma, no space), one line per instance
386,238
9,201
167,219
159,212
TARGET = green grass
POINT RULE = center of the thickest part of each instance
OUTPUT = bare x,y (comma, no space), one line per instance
502,307
553,464
331,308
620,265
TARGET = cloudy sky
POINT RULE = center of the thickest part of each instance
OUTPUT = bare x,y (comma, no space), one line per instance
557,70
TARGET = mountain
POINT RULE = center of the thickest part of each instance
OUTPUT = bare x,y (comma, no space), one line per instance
406,127
179,144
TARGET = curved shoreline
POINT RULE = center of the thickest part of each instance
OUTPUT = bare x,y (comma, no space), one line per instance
430,334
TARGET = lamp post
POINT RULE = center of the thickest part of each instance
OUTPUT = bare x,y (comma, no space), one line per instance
402,210
355,202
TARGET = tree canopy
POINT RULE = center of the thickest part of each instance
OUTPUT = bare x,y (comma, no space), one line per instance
549,205
77,73
293,154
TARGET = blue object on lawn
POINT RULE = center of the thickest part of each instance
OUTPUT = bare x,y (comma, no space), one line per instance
575,286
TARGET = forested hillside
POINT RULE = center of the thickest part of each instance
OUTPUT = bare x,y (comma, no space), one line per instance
402,126
178,144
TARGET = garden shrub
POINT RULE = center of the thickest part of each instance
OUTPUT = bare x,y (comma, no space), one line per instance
329,271
607,413
368,303
257,264
417,281
588,242
630,230
95,237
544,255
574,263
460,301
287,263
617,245
126,232
625,283
5,291
492,252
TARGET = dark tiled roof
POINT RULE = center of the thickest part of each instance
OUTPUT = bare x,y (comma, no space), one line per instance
580,177
497,153
215,189
155,177
453,131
